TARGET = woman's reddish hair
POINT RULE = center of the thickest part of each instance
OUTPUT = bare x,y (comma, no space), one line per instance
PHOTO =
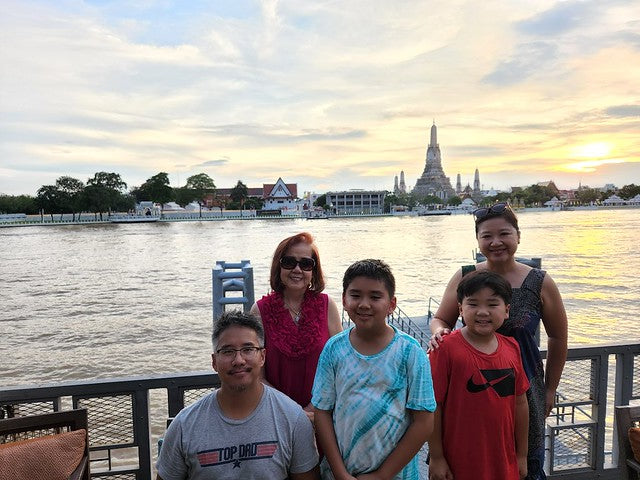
317,278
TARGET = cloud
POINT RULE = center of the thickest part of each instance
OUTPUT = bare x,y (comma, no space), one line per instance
307,89
561,18
527,61
623,111
213,163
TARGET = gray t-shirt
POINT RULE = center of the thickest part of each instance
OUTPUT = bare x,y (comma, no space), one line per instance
202,444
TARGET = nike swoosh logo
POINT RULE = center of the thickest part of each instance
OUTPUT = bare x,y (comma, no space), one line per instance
479,387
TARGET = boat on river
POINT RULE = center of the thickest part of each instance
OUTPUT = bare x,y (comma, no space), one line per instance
425,213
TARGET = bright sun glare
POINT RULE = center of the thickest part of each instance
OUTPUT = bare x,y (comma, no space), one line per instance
591,150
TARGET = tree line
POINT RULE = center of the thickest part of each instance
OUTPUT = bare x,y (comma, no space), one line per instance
106,192
532,196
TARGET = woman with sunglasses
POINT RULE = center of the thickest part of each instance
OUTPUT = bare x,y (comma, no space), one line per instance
535,297
298,319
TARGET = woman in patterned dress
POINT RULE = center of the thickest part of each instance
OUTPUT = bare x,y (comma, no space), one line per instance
535,298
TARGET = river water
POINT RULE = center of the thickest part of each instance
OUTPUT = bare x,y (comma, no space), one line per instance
101,301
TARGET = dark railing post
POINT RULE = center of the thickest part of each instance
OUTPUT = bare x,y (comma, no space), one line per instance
142,432
602,376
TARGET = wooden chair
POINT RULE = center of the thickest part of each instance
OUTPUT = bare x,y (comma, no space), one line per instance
625,417
47,435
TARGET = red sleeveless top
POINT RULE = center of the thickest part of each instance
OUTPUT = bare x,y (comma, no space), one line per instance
293,350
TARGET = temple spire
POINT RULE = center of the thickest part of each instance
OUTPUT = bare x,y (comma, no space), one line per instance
433,180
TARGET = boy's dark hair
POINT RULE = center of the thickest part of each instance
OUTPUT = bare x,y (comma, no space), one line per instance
370,268
475,281
236,318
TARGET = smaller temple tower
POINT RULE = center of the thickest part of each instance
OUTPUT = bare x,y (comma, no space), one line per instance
396,188
403,186
477,191
459,185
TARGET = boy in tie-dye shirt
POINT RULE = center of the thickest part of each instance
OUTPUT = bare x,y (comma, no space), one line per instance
372,394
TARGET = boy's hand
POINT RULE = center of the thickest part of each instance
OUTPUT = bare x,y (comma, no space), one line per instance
369,476
522,466
439,469
308,410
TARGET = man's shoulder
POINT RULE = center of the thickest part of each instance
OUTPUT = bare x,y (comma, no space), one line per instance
202,404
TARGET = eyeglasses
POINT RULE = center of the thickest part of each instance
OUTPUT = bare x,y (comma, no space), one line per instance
289,263
245,352
498,208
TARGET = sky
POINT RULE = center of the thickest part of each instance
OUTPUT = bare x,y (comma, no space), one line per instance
330,95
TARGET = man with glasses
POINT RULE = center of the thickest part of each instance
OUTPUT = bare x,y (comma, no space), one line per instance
245,429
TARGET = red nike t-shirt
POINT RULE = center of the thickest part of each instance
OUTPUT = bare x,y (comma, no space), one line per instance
477,393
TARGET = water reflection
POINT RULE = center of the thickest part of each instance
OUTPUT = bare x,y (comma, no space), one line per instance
112,300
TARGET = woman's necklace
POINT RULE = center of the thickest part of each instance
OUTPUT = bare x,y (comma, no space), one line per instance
296,313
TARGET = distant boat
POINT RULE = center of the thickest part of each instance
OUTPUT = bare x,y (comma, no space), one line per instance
424,213
133,219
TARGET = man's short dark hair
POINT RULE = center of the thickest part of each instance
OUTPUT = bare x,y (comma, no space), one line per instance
236,318
475,281
373,269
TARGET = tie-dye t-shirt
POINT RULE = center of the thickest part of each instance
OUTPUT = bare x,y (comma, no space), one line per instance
369,396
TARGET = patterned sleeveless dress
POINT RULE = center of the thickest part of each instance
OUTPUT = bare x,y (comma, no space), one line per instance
524,318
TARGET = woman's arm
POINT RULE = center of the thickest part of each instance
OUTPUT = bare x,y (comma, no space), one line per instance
554,319
447,315
333,318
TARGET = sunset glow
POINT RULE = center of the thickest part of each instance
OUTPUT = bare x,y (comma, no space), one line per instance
592,150
326,95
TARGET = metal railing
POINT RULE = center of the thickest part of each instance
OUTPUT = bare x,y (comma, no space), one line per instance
232,277
580,436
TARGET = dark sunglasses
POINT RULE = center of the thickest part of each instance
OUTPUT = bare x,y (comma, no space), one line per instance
498,208
289,263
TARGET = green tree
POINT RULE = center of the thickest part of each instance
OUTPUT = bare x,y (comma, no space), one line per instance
158,189
430,200
49,200
389,201
200,185
629,191
239,194
182,196
454,201
408,200
499,197
103,192
321,201
140,195
70,190
254,203
587,196
18,204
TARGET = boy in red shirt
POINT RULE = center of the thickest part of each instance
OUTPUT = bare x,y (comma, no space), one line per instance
482,419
